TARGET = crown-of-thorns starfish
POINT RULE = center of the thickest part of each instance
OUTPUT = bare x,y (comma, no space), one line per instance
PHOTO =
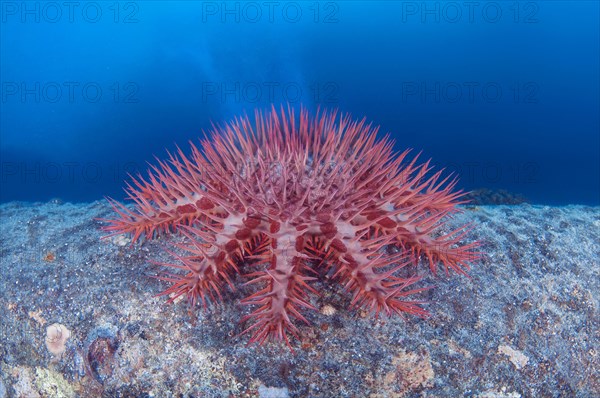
293,197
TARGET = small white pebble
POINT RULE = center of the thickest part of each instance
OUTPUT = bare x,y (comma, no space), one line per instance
121,240
515,356
272,392
328,310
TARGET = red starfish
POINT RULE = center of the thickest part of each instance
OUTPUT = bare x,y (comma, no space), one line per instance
293,195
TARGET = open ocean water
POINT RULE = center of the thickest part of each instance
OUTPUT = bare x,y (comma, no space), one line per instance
503,94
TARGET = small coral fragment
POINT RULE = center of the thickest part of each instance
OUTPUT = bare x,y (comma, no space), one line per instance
56,338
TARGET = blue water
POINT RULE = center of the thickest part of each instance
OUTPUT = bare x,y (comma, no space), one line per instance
504,93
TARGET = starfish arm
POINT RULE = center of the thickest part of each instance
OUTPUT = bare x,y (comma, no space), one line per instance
212,256
370,275
176,193
284,293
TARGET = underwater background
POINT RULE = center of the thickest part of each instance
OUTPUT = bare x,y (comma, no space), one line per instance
504,93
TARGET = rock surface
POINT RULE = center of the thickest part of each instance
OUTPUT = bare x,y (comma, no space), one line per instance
525,324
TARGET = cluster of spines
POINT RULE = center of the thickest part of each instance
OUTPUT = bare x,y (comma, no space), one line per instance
233,206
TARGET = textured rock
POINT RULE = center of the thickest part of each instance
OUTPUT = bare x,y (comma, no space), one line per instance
533,296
